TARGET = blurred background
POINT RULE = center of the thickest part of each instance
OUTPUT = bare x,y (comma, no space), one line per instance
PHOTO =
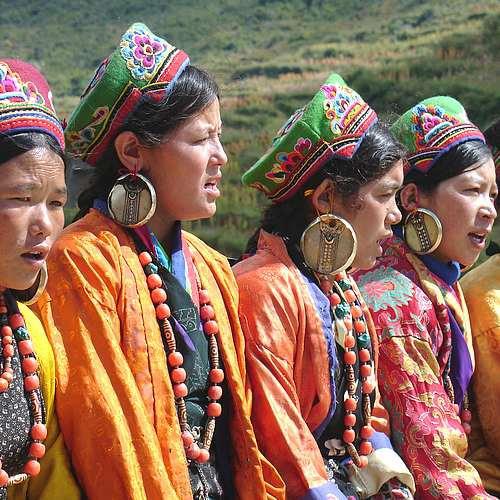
270,56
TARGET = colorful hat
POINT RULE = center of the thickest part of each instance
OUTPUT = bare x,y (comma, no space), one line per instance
431,128
142,65
333,124
492,136
26,101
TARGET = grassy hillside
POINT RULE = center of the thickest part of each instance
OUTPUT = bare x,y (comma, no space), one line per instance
269,57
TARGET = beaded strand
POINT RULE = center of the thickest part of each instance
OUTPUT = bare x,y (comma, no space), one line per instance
199,452
14,328
346,308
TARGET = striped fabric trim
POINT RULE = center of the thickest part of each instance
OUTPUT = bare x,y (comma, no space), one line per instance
424,158
29,118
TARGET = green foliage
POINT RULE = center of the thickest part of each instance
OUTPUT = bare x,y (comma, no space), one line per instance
269,57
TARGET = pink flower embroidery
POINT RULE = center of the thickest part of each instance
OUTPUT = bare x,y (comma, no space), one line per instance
145,50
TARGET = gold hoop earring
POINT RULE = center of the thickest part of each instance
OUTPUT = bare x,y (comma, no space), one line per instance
32,294
422,231
132,200
328,244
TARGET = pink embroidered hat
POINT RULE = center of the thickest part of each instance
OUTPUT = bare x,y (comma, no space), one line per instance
26,101
144,66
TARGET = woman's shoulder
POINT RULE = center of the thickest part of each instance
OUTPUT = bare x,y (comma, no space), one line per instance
92,235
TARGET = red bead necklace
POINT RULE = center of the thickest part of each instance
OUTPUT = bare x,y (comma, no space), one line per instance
347,311
14,328
196,451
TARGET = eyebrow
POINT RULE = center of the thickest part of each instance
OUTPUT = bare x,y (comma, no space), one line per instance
32,186
390,185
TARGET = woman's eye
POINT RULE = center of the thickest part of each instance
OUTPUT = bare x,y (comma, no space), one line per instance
22,198
57,204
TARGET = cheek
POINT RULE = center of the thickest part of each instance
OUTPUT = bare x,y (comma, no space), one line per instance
14,225
57,222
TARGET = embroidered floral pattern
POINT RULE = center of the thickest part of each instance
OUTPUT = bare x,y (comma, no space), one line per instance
13,89
428,121
288,162
78,141
384,289
413,352
142,51
341,105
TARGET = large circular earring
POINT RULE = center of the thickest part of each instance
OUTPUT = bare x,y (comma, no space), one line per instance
328,244
422,231
132,200
31,295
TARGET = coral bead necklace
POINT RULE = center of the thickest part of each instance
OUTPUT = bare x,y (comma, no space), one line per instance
195,451
13,330
349,317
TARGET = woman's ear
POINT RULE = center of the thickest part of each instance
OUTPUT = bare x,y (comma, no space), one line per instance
409,197
323,196
128,150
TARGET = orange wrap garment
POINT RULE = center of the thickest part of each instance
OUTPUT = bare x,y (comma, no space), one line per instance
288,365
114,394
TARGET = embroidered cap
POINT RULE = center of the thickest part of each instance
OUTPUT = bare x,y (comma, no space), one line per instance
492,136
431,128
142,66
333,124
26,101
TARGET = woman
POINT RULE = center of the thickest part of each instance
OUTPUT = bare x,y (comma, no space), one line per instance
143,316
332,174
426,357
482,293
33,460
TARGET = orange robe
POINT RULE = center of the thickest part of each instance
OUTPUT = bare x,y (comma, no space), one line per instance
288,365
481,288
114,394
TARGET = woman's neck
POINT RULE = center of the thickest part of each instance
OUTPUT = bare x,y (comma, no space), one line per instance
163,228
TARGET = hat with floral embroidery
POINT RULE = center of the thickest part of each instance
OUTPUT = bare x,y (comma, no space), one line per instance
431,128
333,124
492,136
26,101
143,66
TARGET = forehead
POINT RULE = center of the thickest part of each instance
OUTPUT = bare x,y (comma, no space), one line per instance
35,164
392,179
479,172
209,116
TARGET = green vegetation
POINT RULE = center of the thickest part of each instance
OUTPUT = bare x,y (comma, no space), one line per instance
269,57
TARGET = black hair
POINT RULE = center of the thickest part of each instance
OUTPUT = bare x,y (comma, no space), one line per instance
450,164
152,122
15,145
376,155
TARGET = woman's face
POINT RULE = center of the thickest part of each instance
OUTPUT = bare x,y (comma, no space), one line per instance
373,215
465,205
32,196
186,170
